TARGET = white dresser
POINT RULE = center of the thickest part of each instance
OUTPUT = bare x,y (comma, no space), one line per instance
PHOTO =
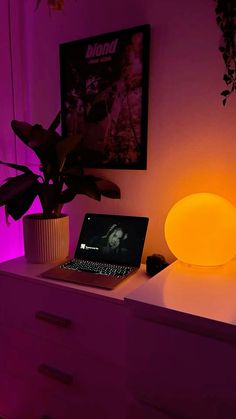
182,344
62,346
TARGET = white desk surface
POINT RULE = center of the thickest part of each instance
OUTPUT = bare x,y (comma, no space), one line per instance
205,292
19,268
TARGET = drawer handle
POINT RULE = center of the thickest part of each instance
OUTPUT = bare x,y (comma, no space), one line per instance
53,319
56,374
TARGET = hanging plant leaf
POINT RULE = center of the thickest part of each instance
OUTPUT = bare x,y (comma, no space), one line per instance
225,93
231,71
227,79
221,49
226,20
225,57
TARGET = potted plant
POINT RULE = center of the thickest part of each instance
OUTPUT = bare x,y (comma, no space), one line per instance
61,177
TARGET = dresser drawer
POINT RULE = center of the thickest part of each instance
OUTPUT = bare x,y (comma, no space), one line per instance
3,349
19,300
22,399
65,317
191,375
139,410
62,372
17,398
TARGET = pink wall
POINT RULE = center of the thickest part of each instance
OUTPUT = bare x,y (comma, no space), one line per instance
191,146
11,237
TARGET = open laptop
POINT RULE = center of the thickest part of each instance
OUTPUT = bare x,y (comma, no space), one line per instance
109,249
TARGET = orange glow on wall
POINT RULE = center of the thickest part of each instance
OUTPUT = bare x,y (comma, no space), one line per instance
200,229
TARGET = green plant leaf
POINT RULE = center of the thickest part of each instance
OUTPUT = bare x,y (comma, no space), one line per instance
74,170
108,188
34,136
39,136
84,185
66,146
55,123
87,186
67,195
49,197
22,130
42,141
19,167
61,165
19,205
15,186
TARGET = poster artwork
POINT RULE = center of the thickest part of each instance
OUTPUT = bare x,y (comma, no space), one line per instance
104,97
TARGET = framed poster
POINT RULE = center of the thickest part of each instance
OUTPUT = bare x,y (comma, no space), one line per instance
104,97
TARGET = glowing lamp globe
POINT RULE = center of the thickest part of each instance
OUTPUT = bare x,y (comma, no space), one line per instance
200,229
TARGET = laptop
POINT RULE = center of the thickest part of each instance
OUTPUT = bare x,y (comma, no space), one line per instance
109,250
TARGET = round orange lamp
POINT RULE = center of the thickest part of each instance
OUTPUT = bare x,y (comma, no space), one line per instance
200,229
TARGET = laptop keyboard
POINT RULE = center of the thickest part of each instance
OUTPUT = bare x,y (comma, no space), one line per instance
97,267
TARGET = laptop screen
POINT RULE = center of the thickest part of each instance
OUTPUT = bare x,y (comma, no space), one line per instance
112,239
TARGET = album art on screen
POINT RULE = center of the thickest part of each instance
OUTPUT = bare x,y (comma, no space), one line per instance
104,97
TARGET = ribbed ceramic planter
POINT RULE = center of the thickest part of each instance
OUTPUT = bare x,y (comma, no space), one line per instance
45,240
